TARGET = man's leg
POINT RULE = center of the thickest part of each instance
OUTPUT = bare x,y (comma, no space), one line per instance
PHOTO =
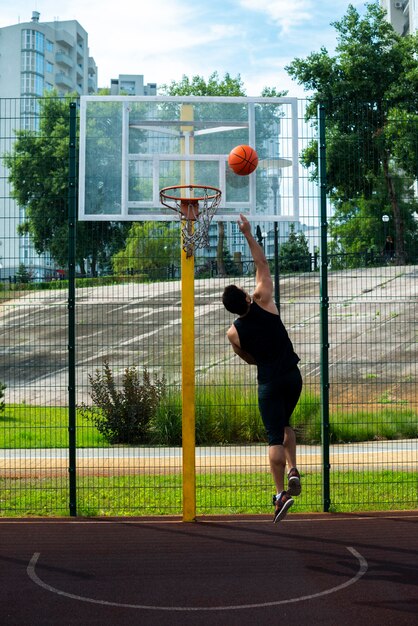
289,444
277,458
282,500
293,485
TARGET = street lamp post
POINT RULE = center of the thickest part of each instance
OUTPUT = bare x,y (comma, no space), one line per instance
385,220
385,250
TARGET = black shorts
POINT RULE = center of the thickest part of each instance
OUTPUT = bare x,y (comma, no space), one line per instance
277,400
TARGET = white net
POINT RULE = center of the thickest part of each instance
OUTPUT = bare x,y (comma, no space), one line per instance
195,213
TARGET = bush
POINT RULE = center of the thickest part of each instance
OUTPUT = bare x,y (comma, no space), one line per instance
224,415
306,418
123,416
385,424
165,426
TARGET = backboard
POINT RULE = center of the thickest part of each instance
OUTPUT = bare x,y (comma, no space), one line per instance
131,147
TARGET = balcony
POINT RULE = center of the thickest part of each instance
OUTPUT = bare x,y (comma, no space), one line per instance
64,59
63,37
92,85
63,80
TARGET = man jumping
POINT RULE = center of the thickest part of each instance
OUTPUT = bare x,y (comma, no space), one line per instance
259,337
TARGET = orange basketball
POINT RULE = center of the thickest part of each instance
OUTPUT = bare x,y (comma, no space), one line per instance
243,160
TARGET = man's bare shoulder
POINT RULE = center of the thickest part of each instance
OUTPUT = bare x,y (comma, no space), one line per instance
232,334
267,303
231,331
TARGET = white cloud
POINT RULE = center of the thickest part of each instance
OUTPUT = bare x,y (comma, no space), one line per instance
286,14
165,39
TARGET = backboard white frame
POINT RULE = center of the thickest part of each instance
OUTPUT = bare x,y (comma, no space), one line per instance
227,211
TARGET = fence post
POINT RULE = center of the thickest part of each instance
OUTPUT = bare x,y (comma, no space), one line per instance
324,312
72,217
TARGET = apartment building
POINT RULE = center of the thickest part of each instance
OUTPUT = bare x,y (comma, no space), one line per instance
131,85
35,57
402,14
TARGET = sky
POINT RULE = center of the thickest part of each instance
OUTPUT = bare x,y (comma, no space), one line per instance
166,39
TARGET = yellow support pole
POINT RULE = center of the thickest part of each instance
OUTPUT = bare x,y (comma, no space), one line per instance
188,350
188,387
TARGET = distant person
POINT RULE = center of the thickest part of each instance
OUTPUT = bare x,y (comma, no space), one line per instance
259,337
389,248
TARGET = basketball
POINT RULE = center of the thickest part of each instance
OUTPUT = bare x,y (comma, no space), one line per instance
243,160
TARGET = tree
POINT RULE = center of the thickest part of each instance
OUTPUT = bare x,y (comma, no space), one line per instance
151,248
198,86
38,171
356,225
23,275
373,74
294,253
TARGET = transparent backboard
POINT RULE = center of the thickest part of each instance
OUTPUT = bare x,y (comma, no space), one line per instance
131,147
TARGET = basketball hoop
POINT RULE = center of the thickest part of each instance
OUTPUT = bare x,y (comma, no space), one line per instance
195,212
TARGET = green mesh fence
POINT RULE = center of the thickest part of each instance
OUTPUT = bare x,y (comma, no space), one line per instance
128,342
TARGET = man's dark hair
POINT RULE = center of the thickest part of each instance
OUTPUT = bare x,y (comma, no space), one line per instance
235,300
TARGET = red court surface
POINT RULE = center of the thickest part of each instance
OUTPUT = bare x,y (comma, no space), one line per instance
306,570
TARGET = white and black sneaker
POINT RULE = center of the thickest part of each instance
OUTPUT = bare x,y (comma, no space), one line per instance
293,482
282,504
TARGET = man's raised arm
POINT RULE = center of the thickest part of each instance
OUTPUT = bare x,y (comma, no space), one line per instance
264,283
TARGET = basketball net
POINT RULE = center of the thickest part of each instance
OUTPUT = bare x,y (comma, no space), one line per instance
195,214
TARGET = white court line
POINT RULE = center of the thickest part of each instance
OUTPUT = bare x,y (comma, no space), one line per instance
35,578
294,518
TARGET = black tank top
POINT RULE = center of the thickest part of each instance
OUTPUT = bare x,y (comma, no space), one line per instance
263,335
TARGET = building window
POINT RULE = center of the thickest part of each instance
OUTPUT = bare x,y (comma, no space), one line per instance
49,46
27,61
49,67
32,84
33,39
39,85
127,87
29,106
32,62
40,42
27,38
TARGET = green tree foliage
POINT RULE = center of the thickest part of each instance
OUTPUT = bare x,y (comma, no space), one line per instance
372,77
198,86
151,248
38,171
230,268
357,227
294,253
23,275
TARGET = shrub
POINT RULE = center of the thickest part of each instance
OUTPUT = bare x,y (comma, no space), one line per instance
384,424
124,415
306,418
165,425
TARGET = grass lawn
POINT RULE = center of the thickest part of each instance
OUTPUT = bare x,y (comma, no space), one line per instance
23,426
216,494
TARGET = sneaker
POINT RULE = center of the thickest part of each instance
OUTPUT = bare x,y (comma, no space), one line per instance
293,482
282,503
